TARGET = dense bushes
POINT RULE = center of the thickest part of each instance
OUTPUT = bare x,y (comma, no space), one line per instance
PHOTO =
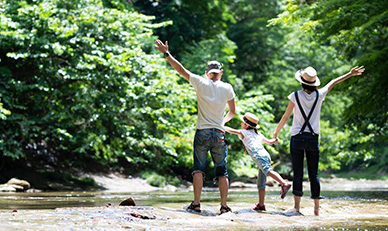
79,87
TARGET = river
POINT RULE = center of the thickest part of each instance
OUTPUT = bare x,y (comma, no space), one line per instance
347,206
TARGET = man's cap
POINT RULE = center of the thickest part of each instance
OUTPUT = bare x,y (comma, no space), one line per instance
213,67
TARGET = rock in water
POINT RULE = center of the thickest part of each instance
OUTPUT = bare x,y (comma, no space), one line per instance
21,183
237,184
7,188
128,202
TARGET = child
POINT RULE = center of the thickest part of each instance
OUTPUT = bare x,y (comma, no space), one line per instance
252,141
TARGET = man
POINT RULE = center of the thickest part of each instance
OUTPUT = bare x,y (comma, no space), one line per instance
212,97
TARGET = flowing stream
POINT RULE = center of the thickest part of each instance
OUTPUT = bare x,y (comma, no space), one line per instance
362,209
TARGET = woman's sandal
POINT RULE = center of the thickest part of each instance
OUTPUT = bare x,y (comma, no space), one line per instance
227,209
195,208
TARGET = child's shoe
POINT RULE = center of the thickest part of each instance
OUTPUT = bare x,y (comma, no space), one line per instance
259,207
284,190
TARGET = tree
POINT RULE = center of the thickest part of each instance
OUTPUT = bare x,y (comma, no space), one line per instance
257,44
193,21
81,88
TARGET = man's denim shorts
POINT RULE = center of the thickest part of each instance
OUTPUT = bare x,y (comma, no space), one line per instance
214,141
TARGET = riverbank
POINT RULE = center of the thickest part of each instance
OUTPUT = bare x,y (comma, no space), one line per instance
115,182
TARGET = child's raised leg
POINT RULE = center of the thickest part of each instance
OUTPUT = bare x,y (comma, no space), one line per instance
277,177
285,185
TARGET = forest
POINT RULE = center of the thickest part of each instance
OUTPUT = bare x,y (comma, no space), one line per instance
83,89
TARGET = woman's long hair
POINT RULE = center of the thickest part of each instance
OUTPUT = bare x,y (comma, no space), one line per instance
254,129
309,88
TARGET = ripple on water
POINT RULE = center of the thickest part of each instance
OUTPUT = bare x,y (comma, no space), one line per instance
166,211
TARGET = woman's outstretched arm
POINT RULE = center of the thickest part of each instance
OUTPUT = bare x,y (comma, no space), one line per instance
355,71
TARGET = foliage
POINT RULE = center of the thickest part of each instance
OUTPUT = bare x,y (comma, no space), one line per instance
220,49
154,179
194,21
256,43
80,87
157,180
358,31
3,112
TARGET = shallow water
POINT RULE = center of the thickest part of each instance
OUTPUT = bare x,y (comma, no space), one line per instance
162,210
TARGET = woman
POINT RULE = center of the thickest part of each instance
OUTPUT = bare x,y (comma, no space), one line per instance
305,129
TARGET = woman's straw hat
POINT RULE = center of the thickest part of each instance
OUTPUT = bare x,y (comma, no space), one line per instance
308,76
250,119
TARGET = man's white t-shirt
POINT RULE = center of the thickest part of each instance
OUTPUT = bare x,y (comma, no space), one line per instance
307,101
212,98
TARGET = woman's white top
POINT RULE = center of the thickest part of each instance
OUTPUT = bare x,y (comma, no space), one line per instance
307,101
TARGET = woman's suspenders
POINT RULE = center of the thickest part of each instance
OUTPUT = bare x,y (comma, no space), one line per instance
306,119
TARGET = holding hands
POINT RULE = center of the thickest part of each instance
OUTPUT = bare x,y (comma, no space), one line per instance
274,140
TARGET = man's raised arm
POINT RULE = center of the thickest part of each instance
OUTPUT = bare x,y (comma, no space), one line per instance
163,48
